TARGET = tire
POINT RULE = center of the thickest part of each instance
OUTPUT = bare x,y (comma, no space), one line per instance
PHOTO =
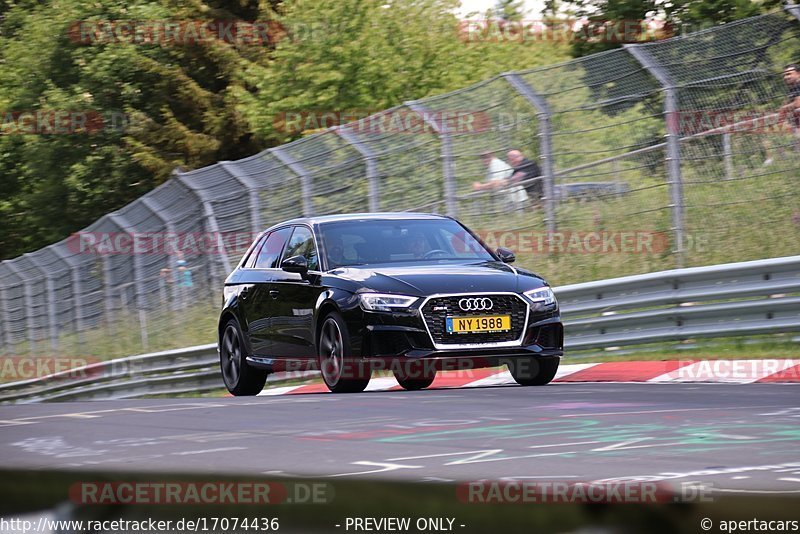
534,371
240,378
340,371
413,377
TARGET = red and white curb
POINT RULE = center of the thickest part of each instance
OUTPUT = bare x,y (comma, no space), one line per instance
729,371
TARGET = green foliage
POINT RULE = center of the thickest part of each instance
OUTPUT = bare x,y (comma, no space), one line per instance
161,107
680,16
355,55
190,105
509,9
693,15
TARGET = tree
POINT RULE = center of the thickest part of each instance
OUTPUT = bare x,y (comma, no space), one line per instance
605,16
368,55
693,15
509,10
154,107
678,16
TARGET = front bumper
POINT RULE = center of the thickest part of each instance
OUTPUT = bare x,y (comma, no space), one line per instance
384,336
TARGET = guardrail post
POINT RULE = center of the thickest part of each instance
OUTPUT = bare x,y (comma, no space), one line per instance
252,193
305,178
448,173
373,191
673,143
545,144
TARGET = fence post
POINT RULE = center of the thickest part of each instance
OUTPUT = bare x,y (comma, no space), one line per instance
138,275
373,191
545,144
252,193
77,294
305,178
673,143
28,304
52,325
6,317
727,155
143,328
793,9
170,228
208,215
108,295
448,173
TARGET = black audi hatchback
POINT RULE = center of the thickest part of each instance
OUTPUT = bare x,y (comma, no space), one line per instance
406,292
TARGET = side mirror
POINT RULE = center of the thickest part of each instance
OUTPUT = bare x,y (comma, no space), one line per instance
506,255
295,264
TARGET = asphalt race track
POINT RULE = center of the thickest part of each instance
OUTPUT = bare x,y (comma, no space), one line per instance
730,437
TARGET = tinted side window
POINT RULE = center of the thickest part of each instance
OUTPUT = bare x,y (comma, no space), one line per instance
302,244
270,251
251,258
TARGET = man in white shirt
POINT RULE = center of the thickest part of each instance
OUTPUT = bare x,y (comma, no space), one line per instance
498,174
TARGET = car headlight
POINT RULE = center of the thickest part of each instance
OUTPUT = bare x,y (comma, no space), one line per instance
381,302
541,295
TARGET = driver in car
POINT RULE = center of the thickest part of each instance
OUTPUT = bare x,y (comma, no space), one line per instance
336,253
416,245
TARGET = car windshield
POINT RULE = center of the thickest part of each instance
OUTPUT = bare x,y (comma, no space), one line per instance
359,242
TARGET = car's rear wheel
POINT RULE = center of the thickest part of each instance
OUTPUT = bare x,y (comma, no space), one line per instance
239,377
341,372
534,371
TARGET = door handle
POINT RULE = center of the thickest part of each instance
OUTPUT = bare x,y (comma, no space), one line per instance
273,293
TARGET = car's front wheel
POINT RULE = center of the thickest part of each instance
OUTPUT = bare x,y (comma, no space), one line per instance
413,377
534,371
239,377
341,372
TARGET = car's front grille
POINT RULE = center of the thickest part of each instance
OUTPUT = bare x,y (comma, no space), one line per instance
437,309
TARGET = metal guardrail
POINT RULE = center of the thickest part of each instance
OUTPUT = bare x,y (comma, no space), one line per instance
736,299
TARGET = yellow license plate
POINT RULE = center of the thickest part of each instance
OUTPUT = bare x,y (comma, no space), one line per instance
489,323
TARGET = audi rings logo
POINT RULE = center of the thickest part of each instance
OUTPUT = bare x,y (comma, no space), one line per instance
477,304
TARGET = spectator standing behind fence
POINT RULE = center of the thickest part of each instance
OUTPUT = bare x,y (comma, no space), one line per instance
498,176
180,277
180,274
527,172
791,76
